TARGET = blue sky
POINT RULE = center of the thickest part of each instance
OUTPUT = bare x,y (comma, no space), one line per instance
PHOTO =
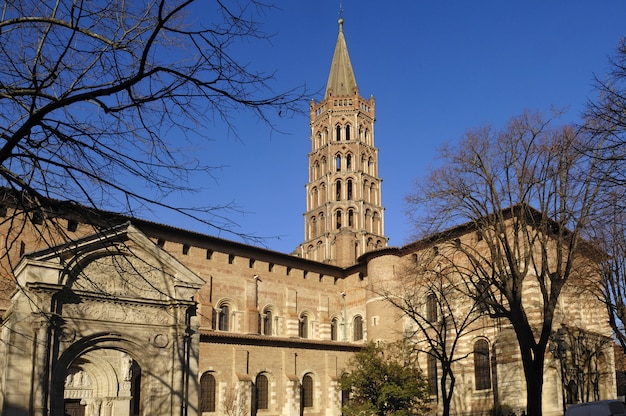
435,68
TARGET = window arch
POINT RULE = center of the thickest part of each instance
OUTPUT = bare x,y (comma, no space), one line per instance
267,322
482,369
338,163
349,162
376,223
223,317
350,217
306,395
431,308
303,326
347,132
334,329
321,229
349,189
322,198
338,219
261,392
207,393
338,189
338,133
357,328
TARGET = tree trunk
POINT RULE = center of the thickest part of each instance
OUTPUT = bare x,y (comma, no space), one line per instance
533,369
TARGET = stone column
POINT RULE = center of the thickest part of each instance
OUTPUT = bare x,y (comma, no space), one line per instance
41,347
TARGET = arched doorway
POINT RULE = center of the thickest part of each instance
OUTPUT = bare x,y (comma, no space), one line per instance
103,382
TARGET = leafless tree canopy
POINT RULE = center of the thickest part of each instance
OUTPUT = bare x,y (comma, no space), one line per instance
529,194
99,98
606,114
438,309
606,120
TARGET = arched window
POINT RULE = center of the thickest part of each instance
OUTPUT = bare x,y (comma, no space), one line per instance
348,132
431,308
303,326
349,162
357,328
223,317
376,223
307,391
338,133
338,189
207,393
432,375
350,218
321,229
261,392
349,189
334,329
267,320
338,163
482,370
338,218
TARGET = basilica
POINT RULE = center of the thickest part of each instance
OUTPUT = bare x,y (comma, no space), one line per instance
104,314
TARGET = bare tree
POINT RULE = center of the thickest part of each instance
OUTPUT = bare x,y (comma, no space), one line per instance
101,102
610,234
580,354
96,93
440,313
606,116
491,180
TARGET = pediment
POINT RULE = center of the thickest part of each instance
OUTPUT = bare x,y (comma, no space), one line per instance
120,263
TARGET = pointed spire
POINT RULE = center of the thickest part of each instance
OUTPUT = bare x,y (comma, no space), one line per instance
341,78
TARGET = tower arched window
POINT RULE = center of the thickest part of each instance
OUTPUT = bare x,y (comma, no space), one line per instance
376,223
261,392
350,218
312,225
338,133
223,317
338,189
307,391
322,198
347,132
338,219
321,224
349,189
357,328
334,329
349,163
482,369
323,165
207,393
303,326
267,322
338,163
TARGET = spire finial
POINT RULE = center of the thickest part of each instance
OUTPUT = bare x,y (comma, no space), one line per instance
340,16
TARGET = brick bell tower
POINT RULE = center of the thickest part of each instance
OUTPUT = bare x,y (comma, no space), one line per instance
344,213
